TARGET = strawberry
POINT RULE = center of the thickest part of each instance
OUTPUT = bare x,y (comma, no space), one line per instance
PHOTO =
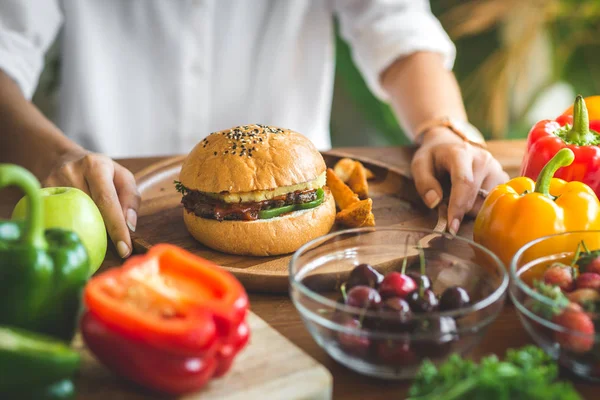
584,296
580,337
560,275
588,280
592,265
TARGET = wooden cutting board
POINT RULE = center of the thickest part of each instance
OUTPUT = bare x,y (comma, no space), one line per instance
395,203
270,367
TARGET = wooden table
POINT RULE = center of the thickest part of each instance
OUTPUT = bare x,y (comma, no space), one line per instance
279,312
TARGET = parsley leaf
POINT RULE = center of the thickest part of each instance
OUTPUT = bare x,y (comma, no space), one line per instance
528,373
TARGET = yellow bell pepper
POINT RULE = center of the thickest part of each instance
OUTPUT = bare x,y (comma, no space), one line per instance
593,108
523,210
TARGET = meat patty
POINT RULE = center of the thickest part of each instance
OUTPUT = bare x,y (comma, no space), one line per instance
208,207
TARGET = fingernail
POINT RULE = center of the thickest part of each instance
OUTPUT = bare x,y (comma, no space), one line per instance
131,219
123,249
454,225
432,199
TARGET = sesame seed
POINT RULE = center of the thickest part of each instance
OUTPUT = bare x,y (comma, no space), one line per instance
215,153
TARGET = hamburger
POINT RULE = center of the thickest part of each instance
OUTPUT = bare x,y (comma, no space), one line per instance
255,190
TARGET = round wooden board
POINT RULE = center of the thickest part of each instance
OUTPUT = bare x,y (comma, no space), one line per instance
395,202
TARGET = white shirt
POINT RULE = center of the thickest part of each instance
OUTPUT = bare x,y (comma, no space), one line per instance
153,77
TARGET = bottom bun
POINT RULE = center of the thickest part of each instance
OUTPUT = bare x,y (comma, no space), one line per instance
264,237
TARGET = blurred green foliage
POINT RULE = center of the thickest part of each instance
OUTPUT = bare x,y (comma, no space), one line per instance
573,27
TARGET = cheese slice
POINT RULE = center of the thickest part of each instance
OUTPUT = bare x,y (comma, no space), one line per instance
261,195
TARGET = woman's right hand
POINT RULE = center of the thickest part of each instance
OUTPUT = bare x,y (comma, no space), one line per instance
110,185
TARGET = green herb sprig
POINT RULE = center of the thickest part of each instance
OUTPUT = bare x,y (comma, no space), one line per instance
526,373
180,188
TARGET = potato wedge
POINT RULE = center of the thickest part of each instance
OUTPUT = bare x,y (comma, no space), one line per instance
356,214
358,181
343,168
370,221
342,194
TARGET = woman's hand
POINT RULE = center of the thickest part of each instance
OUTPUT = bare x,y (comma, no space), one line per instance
469,167
111,186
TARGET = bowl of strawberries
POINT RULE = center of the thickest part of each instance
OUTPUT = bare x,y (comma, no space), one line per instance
381,300
555,287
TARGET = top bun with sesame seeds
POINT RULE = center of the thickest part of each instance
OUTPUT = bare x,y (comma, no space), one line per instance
249,158
255,190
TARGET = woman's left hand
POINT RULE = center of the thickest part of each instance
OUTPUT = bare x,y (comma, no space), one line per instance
469,167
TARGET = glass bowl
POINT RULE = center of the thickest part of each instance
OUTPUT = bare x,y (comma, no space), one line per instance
385,344
577,351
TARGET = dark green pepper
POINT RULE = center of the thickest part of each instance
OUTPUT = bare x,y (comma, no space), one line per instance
42,273
33,361
61,390
275,212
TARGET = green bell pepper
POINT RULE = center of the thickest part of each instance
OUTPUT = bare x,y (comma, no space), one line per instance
31,361
275,212
42,273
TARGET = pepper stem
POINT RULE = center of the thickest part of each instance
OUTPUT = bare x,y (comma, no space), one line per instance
580,133
34,225
563,158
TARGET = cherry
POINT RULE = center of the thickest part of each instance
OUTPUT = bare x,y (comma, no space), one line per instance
422,281
395,352
580,322
364,275
396,284
399,305
588,280
396,316
363,297
442,329
560,275
422,303
454,298
354,343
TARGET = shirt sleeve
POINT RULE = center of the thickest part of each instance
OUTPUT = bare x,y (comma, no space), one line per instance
27,29
381,31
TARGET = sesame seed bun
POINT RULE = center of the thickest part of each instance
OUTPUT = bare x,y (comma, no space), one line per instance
249,158
248,164
264,237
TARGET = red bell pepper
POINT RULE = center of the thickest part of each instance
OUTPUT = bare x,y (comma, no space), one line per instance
167,320
576,132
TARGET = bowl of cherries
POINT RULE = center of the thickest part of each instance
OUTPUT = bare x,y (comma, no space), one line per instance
555,287
381,300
